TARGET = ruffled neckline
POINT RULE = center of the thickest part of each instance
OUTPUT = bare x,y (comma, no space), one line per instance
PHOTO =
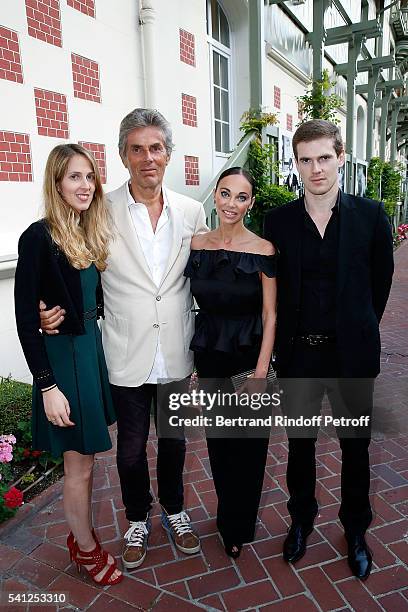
202,261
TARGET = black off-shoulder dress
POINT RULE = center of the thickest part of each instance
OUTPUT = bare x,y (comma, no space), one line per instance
228,336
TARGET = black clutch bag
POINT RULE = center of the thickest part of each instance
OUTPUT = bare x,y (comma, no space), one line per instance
239,379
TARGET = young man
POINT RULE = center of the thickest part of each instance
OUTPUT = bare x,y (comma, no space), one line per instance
148,324
335,272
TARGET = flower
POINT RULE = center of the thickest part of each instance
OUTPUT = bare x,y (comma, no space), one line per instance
6,452
10,439
13,498
26,452
36,454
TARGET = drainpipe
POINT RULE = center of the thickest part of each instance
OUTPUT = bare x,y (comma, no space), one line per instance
147,18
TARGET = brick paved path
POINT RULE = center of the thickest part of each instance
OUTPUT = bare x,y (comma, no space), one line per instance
33,557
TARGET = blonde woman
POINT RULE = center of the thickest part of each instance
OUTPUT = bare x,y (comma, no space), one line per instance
60,260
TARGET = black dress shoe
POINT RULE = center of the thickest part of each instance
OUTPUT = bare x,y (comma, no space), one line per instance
359,557
294,546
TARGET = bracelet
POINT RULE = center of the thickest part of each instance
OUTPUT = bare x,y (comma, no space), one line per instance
49,389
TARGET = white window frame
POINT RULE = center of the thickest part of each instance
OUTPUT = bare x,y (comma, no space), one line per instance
215,45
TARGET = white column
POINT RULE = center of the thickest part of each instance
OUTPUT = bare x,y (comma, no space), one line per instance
147,22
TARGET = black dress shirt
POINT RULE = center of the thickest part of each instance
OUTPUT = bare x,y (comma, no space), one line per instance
319,268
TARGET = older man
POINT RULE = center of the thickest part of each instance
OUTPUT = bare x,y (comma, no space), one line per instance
148,324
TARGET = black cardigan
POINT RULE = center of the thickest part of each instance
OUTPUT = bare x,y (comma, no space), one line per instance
43,272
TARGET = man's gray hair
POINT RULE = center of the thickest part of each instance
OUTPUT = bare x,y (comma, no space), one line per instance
144,117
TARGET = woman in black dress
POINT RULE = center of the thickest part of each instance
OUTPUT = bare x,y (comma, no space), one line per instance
60,260
232,274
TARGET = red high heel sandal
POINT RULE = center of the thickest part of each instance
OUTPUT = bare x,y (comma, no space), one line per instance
99,559
71,543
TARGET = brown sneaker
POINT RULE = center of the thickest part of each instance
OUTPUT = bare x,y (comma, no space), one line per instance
181,532
135,548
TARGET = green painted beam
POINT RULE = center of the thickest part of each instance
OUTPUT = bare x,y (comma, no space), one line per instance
354,50
318,37
256,42
373,76
396,84
386,61
394,121
342,34
383,124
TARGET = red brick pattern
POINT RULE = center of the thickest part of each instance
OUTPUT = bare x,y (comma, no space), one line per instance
289,122
10,60
187,48
15,157
52,113
85,6
189,110
277,96
44,20
33,552
85,75
98,151
191,170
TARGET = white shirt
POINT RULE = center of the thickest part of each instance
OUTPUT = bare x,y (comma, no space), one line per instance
156,250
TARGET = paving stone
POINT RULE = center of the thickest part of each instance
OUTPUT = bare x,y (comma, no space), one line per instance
401,550
393,602
357,595
213,583
387,580
249,565
321,588
23,539
392,532
9,556
284,576
35,572
213,601
244,597
180,569
294,604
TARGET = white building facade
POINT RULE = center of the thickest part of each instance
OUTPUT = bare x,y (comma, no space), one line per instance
70,70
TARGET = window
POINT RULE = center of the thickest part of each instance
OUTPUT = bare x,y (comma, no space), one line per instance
220,49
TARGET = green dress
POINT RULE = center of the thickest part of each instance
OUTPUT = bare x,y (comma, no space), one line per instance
79,368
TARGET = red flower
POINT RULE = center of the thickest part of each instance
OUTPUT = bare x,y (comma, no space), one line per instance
36,454
13,498
26,452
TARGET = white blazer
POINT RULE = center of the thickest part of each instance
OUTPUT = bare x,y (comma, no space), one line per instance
135,308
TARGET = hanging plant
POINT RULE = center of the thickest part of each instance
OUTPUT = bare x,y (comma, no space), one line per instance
319,102
262,166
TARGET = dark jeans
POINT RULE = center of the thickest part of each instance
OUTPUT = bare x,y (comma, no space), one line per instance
132,406
314,367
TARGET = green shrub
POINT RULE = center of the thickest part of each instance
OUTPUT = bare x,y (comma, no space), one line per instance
269,196
15,404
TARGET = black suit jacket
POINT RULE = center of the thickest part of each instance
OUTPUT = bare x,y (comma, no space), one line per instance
364,274
43,272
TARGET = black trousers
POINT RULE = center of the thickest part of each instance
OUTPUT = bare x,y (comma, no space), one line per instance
133,406
315,369
237,463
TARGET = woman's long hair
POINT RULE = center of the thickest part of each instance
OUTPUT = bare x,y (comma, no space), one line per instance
84,239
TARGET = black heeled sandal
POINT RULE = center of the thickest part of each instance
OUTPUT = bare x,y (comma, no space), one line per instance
232,550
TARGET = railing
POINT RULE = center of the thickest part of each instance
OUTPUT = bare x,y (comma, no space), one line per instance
399,19
7,266
237,158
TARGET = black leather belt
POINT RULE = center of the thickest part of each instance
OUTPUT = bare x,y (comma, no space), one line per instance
316,339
